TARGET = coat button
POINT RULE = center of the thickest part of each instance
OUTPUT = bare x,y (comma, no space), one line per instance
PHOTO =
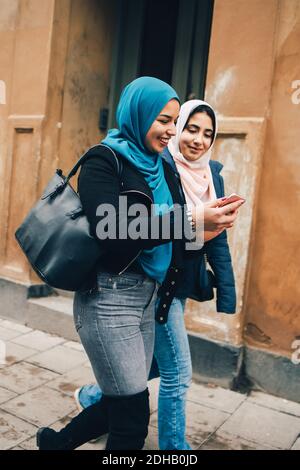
164,305
173,282
176,270
167,293
161,318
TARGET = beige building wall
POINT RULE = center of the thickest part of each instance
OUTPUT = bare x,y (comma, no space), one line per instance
254,60
55,62
273,299
25,37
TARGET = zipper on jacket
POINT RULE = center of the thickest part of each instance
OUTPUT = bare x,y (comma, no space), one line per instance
140,251
138,192
123,270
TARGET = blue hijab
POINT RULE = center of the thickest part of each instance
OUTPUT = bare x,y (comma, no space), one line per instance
140,103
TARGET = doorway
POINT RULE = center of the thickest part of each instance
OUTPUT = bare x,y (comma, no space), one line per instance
167,39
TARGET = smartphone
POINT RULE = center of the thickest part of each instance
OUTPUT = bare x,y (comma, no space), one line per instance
229,199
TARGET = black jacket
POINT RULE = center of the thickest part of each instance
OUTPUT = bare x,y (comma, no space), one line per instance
197,282
100,182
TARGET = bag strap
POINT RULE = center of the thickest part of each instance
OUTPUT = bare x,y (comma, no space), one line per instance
85,156
65,180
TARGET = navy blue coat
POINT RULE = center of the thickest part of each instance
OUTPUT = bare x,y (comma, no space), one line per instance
197,282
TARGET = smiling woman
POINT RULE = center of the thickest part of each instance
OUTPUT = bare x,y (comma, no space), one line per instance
197,136
163,128
114,314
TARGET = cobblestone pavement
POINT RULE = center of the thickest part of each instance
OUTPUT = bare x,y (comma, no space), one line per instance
41,371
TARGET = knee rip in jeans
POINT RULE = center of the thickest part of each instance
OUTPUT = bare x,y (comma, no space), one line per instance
77,312
78,322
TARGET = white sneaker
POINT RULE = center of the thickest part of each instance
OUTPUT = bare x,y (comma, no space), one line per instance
77,401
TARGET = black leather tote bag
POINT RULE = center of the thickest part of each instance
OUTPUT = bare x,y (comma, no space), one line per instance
55,235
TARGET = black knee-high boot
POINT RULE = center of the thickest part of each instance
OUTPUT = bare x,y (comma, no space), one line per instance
128,421
91,423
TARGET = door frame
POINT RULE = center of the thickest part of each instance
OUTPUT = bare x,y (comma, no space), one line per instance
191,49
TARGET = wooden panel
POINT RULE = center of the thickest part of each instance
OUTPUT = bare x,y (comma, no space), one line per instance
238,147
20,190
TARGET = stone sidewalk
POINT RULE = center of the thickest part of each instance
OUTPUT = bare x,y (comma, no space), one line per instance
42,371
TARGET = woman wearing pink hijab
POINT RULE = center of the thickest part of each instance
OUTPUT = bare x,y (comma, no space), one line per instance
189,155
191,149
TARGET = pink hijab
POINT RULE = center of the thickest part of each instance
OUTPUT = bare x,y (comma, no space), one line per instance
196,177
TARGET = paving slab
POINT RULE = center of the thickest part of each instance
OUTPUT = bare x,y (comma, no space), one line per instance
22,377
296,445
38,340
40,375
41,407
151,442
5,394
15,326
268,427
74,345
16,353
215,397
275,403
153,386
13,430
201,421
72,380
219,442
59,359
29,444
7,334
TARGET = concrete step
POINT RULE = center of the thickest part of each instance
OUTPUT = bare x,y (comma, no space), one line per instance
52,314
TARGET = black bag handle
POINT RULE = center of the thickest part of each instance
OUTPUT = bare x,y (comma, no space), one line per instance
85,156
61,186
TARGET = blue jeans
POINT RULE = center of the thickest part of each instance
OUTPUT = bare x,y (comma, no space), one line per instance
116,326
172,354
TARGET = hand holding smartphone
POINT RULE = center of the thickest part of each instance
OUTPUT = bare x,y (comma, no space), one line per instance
229,199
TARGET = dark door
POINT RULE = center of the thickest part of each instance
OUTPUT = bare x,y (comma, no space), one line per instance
167,39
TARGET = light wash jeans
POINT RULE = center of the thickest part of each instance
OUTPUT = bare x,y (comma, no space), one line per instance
116,326
172,354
